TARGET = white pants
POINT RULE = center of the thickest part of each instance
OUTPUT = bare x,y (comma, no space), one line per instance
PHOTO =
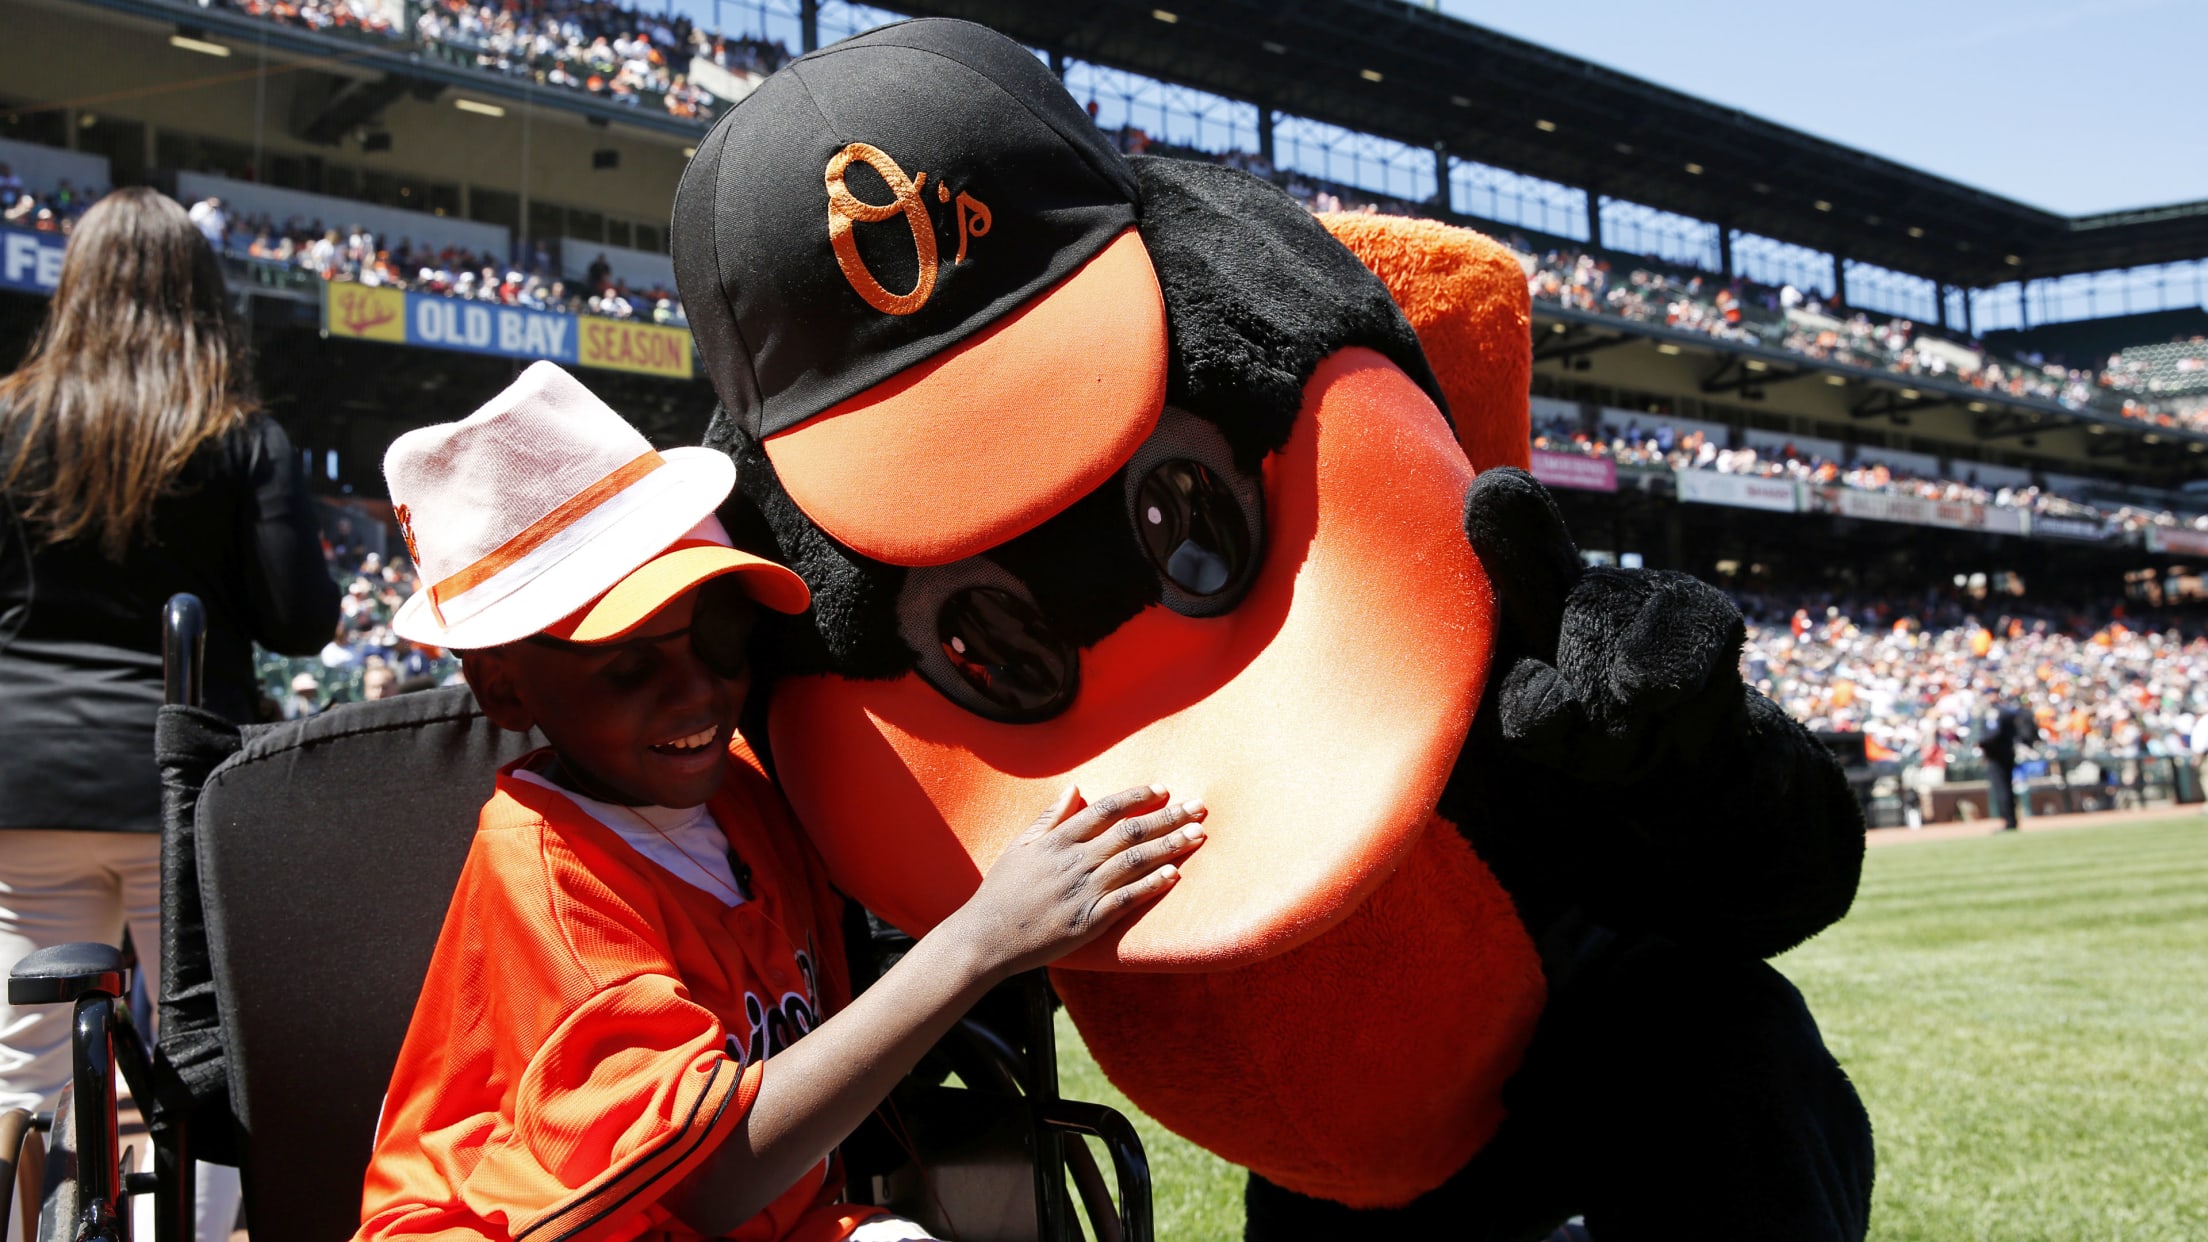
57,887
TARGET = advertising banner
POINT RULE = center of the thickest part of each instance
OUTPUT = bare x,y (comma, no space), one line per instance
1745,491
361,312
2051,527
364,313
1916,510
1587,474
2179,540
30,262
642,348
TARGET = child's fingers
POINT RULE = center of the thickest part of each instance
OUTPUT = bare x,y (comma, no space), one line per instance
1112,809
1117,902
1135,830
1124,866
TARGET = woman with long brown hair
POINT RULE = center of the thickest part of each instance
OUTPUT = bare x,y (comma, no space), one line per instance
134,464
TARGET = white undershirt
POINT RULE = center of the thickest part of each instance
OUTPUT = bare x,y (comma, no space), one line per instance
688,844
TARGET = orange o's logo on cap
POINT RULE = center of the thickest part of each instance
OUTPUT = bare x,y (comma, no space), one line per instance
846,209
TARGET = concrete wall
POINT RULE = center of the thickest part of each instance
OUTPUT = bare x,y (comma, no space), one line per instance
391,225
638,269
44,168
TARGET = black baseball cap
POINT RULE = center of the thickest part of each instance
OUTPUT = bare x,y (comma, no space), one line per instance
910,263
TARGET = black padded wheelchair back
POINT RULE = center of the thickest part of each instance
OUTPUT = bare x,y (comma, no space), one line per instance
326,851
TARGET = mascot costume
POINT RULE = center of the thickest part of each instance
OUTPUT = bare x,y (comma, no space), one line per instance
1108,470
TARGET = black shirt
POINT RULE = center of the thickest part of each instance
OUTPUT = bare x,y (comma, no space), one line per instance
80,635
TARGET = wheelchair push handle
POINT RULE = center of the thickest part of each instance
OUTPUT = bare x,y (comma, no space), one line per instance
183,650
59,974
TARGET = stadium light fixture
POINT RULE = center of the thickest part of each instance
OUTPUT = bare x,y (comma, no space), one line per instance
1667,348
1837,381
1693,169
1545,126
1167,16
1914,231
1370,75
478,107
1822,205
204,47
2012,260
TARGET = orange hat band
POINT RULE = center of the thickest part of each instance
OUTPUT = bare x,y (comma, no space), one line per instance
542,531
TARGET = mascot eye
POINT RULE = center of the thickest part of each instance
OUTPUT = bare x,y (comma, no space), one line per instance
1007,653
1192,526
983,643
1200,520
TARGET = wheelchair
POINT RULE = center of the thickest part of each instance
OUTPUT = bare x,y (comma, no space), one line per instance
306,870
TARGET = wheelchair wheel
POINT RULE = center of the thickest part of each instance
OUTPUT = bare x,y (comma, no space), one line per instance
22,1169
57,1194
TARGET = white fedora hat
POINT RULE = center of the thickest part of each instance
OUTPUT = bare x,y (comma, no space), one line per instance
529,509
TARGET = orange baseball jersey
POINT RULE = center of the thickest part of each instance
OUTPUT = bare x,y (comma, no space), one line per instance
593,1027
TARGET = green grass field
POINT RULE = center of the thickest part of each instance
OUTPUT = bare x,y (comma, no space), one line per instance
2025,1015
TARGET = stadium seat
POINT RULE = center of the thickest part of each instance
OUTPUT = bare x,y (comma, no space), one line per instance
307,867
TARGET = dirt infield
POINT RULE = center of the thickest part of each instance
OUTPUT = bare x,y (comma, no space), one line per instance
2036,823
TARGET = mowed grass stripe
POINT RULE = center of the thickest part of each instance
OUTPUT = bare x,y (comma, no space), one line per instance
2026,1017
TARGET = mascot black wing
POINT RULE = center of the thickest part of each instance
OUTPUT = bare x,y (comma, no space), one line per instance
1110,471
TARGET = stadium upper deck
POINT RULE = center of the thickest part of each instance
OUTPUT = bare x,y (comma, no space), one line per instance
450,110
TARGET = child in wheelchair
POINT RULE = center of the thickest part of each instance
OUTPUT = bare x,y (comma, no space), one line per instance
636,1019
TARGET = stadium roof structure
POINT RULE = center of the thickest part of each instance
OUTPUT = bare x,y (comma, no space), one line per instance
1418,76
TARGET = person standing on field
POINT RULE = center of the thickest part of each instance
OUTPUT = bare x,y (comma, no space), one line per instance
2007,726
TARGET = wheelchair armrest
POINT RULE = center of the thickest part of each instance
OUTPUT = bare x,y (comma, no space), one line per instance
61,973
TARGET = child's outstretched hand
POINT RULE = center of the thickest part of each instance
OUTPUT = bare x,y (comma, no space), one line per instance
1077,869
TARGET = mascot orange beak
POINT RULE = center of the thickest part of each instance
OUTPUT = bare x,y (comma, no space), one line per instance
1318,749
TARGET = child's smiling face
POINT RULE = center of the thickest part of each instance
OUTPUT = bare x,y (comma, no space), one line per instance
643,720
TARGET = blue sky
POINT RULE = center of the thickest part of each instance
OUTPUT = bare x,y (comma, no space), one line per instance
2072,105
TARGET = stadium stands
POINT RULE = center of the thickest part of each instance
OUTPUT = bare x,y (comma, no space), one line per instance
632,57
1744,312
2113,688
2056,503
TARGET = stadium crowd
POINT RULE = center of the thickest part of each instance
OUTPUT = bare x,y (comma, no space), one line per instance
363,659
618,53
355,253
1786,317
53,209
1659,446
1918,677
1799,321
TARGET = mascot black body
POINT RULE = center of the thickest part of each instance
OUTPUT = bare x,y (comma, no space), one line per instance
1117,471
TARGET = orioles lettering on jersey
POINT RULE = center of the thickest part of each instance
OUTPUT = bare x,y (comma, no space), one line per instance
777,1026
